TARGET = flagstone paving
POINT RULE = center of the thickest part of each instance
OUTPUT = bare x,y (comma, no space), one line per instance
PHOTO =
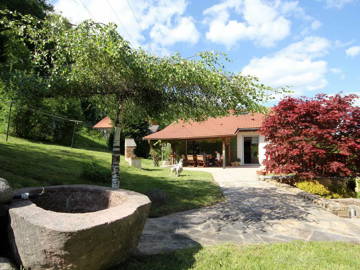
254,212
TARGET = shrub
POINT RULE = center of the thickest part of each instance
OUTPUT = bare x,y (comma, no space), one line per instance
95,173
313,136
313,187
156,156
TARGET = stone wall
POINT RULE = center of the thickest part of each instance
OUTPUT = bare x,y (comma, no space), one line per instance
6,195
346,208
357,185
334,184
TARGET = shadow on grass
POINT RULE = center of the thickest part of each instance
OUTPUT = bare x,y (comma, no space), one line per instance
26,165
182,193
84,142
150,169
183,260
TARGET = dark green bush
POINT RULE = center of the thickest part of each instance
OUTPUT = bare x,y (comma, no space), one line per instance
95,173
44,120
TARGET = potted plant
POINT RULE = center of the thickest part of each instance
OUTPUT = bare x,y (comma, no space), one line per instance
236,163
261,172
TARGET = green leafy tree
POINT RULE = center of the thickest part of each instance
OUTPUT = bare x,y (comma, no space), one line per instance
93,60
36,8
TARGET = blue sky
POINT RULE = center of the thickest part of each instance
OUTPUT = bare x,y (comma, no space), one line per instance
312,46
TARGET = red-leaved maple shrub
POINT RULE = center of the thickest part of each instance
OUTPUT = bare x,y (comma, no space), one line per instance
313,136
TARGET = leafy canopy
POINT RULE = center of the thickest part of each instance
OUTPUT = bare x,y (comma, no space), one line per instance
93,60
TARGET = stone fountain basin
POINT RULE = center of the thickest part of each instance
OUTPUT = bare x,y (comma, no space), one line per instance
76,227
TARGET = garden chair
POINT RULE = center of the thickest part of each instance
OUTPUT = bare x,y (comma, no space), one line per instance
201,161
190,160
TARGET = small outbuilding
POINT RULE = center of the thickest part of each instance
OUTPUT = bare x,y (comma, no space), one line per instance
104,126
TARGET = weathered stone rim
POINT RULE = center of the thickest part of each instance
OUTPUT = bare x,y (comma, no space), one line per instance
77,221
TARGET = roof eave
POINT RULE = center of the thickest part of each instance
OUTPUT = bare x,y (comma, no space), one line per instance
189,138
245,129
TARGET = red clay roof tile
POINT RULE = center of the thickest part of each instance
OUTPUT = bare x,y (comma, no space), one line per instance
210,128
104,123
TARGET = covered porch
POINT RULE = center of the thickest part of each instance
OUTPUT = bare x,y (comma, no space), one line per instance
204,152
241,149
231,140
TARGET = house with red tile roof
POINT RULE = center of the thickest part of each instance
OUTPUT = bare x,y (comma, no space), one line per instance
235,136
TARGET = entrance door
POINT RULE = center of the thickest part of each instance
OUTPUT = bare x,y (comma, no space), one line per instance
251,150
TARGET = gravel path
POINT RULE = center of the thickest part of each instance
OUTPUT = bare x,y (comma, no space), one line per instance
254,212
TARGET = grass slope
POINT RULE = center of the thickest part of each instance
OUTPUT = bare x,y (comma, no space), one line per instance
294,255
24,163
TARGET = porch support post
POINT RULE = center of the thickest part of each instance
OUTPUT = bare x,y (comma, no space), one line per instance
229,154
224,152
186,147
173,159
150,144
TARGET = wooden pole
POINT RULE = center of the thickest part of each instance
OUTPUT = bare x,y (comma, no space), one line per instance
172,154
229,153
186,148
224,153
162,151
9,119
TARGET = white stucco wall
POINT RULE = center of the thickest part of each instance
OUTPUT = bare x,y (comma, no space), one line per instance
240,145
262,151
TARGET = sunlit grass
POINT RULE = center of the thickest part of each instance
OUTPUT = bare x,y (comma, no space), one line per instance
24,163
294,256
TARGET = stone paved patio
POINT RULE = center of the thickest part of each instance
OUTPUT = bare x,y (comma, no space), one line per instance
254,212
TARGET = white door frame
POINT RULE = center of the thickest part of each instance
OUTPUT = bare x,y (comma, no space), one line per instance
240,146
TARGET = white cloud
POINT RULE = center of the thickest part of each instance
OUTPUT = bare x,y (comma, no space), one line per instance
339,72
337,3
261,22
316,25
297,66
353,51
184,31
164,19
343,44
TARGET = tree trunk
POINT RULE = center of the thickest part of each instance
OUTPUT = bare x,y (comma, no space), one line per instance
115,163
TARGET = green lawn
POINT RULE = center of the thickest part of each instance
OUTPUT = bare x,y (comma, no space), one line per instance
294,255
24,163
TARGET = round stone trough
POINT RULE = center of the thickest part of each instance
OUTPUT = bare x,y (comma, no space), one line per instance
76,226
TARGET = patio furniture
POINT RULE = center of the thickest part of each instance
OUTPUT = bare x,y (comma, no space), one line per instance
190,160
201,160
219,162
210,160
